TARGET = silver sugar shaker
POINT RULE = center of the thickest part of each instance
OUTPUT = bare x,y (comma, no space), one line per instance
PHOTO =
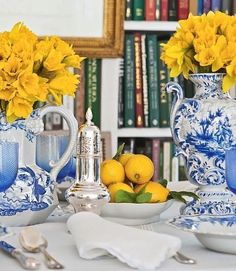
88,193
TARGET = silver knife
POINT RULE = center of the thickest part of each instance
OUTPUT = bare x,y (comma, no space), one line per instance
26,262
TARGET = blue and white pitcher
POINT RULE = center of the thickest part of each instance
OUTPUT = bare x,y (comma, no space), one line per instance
203,127
31,196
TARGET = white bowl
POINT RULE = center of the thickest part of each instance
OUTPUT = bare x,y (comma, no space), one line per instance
217,233
134,213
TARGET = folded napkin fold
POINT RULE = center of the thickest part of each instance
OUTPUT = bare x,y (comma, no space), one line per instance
95,236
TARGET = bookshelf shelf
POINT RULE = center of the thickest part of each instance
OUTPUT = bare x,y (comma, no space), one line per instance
144,132
150,26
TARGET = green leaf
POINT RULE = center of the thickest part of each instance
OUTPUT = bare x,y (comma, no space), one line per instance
189,194
119,152
124,196
144,197
177,196
163,182
142,190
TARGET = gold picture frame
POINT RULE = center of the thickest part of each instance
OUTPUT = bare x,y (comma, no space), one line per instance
111,43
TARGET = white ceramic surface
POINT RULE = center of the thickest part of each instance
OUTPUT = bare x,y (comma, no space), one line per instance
4,232
133,213
217,233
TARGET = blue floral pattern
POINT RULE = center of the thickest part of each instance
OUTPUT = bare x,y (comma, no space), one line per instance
30,191
33,189
194,223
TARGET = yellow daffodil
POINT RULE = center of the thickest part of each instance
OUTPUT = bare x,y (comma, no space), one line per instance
230,77
203,43
33,71
53,62
18,108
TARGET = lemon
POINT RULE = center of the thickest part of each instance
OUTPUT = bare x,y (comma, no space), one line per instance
139,169
158,191
112,171
123,159
113,188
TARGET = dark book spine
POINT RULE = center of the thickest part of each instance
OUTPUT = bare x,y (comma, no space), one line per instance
56,121
206,6
150,10
215,5
189,88
199,7
226,6
172,10
164,10
163,79
145,82
183,9
129,82
153,89
121,94
128,10
93,88
138,80
138,10
158,10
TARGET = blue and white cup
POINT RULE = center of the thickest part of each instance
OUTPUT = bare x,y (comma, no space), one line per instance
230,168
9,157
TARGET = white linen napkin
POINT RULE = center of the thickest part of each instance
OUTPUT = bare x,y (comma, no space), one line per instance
95,236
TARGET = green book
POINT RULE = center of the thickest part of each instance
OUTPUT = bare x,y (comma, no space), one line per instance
93,88
138,10
129,82
128,10
152,72
164,98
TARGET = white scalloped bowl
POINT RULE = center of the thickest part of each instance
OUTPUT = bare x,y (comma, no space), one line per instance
134,213
216,233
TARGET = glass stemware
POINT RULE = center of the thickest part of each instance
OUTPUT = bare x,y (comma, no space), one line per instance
230,168
50,146
9,155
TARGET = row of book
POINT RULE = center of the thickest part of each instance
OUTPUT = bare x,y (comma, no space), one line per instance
161,152
143,101
173,10
87,95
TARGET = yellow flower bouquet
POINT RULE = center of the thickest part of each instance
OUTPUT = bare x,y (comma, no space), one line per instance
203,44
33,71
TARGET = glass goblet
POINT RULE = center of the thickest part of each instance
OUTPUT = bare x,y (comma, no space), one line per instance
230,168
9,155
50,146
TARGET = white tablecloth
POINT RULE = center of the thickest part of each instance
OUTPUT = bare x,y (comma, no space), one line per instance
62,247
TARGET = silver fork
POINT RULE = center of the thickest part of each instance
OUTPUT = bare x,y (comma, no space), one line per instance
179,257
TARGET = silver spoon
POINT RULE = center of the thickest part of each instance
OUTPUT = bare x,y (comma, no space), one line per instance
33,241
183,259
179,257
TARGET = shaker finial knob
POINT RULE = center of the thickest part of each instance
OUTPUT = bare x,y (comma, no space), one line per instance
89,116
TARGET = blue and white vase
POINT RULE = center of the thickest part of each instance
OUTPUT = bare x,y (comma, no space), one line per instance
30,195
203,127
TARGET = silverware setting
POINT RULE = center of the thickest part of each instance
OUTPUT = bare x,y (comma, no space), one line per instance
26,262
179,257
33,241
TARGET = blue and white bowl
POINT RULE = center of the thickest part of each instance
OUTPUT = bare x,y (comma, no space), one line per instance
217,233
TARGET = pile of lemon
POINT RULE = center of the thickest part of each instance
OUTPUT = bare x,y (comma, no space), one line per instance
128,178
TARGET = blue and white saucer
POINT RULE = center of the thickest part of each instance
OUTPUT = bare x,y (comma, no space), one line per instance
217,233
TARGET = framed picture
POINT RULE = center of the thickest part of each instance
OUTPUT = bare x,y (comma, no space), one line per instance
93,27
